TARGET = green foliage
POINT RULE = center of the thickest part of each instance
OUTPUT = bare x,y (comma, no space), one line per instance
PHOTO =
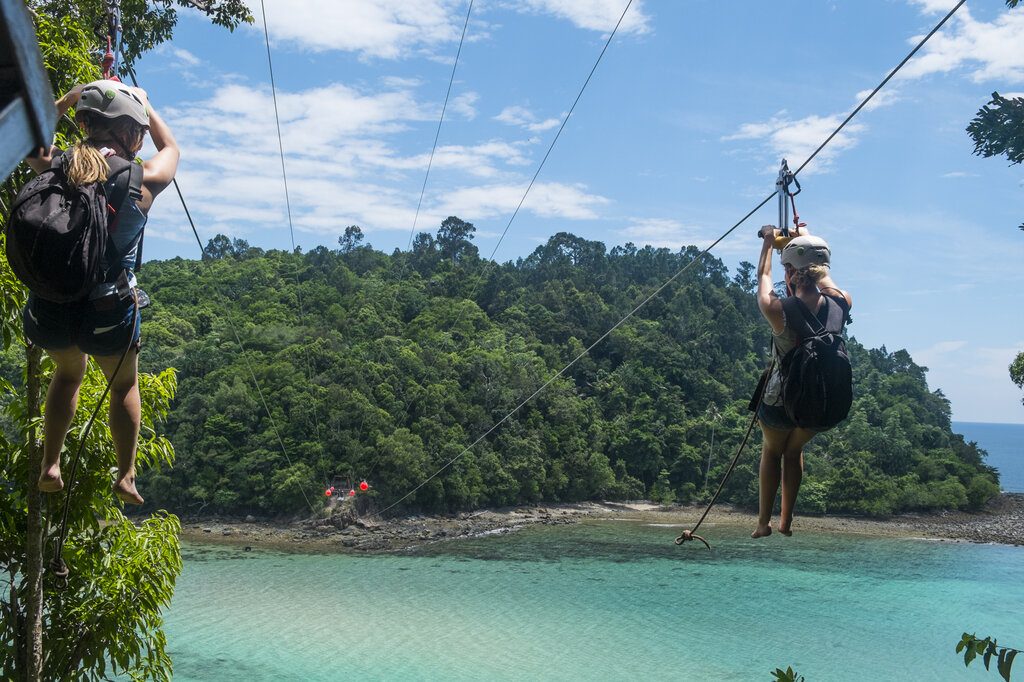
972,647
997,128
407,372
1017,372
787,675
107,621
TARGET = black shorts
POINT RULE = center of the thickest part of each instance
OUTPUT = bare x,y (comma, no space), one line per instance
775,417
59,326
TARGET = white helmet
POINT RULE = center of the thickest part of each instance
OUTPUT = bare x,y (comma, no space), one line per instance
111,99
806,251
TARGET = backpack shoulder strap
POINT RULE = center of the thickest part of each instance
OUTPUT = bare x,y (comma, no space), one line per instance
837,316
799,318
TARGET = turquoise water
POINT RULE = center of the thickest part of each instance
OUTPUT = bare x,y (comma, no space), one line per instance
599,600
1005,446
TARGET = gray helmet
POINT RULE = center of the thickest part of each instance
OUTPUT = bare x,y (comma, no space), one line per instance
805,251
111,99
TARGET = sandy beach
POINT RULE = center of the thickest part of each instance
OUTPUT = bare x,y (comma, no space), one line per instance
1001,522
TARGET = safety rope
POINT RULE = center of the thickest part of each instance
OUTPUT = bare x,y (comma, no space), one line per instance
407,402
597,62
437,134
681,271
58,568
231,326
291,232
691,534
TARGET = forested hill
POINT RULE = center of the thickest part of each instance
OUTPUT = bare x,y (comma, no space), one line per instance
385,367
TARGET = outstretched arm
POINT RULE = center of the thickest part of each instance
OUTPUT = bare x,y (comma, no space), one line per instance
158,171
767,301
42,161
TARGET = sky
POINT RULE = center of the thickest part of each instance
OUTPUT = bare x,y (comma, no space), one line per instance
678,135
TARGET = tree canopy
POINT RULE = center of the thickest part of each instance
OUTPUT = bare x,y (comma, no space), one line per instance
394,364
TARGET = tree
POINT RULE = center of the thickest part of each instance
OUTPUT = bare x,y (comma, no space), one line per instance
351,240
108,616
1017,372
998,127
454,239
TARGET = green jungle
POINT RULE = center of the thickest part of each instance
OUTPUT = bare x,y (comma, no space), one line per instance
387,367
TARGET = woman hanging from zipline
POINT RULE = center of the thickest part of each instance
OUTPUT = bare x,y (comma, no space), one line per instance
815,303
105,324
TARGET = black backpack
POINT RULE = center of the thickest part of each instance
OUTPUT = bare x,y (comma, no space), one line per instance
817,380
58,234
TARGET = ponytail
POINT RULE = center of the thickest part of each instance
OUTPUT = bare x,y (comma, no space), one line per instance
88,165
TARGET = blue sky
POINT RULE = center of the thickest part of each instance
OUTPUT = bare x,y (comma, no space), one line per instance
678,135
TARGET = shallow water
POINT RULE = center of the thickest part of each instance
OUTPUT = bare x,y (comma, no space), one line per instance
613,600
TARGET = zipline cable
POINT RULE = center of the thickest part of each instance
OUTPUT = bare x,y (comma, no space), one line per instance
407,403
291,232
437,134
544,160
231,326
682,270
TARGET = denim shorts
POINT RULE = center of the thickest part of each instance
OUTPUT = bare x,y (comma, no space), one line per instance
59,326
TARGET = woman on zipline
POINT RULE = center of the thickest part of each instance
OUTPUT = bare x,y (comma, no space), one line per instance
114,119
806,261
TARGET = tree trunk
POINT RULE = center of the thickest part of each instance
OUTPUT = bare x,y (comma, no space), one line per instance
34,549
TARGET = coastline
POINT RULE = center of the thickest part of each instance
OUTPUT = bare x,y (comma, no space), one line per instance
1002,522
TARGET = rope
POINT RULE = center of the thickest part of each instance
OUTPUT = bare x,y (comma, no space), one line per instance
57,565
407,403
234,331
691,534
558,134
682,270
437,135
291,232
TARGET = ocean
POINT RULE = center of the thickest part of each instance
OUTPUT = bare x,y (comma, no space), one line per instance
1005,446
611,600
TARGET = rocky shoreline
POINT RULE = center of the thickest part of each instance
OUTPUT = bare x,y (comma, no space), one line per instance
1001,522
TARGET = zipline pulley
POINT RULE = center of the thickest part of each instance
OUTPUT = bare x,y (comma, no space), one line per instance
109,59
785,180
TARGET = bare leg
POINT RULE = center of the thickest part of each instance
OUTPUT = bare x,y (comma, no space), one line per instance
125,416
769,476
61,401
792,474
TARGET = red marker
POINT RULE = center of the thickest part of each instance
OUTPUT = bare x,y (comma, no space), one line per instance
364,486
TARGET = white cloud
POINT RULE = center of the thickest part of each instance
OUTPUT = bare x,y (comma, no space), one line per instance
990,51
673,234
521,116
595,15
546,199
926,357
795,140
387,29
463,105
959,174
344,165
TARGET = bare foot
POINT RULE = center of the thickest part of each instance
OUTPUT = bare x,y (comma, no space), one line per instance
785,527
125,490
50,480
762,531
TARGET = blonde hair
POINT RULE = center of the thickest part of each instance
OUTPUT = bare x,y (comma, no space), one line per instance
808,277
88,164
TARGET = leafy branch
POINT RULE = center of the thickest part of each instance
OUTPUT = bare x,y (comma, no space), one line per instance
987,648
787,675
